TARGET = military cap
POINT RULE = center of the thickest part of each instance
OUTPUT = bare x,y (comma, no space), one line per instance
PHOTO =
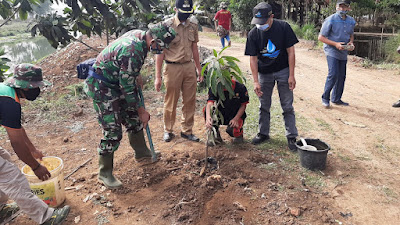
346,2
26,76
162,33
184,6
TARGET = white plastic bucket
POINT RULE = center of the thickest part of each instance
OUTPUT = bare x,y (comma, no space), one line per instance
51,191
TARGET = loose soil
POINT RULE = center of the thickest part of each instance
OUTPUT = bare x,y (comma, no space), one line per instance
249,184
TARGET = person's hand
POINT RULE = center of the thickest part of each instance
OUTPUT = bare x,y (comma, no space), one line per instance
234,123
42,173
257,89
339,46
144,116
157,84
200,78
351,46
292,83
209,122
37,154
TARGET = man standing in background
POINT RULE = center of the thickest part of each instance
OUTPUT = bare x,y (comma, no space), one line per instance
182,60
270,46
222,22
337,34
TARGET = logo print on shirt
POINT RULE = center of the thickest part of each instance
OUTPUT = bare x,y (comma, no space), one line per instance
258,15
270,51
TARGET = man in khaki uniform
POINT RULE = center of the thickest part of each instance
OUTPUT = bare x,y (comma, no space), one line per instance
182,61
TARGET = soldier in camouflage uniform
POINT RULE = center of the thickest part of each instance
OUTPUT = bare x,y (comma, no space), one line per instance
113,85
25,83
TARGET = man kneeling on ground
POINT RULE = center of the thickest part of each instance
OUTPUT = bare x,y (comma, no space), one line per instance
232,110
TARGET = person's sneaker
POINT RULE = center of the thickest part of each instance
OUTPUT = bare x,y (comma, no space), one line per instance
340,102
396,104
58,217
8,210
292,144
238,140
325,103
190,137
229,43
168,136
259,138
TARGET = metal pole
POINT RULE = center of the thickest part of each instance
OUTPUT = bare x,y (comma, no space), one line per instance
153,153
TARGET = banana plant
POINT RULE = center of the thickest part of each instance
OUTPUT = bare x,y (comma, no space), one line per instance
218,72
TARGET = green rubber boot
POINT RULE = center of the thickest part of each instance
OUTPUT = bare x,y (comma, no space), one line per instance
106,166
138,143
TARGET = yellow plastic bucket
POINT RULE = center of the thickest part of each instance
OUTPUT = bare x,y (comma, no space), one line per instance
51,191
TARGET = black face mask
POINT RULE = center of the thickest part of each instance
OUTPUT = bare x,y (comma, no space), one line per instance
183,16
31,94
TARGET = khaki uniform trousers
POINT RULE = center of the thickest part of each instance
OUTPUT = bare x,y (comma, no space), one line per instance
15,186
177,78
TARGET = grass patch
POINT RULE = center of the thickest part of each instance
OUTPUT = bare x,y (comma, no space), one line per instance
325,126
344,158
312,179
14,28
389,192
48,109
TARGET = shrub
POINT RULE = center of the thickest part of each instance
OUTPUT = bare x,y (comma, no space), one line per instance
390,48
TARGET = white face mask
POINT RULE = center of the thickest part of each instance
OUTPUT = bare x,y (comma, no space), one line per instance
262,27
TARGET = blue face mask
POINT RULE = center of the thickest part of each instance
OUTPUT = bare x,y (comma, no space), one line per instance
262,27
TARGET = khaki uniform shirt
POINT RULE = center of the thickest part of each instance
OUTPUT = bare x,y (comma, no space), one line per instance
180,49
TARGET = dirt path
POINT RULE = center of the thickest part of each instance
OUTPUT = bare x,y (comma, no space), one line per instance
363,169
249,185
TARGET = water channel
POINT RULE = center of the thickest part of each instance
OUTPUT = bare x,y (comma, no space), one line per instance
26,50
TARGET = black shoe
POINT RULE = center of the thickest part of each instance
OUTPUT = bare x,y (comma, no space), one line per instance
168,136
340,102
238,140
396,104
190,137
292,144
259,138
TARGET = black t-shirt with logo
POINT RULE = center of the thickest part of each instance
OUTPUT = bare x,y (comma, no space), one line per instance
270,46
231,106
10,112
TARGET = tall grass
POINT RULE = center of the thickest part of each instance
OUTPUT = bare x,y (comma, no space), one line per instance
390,49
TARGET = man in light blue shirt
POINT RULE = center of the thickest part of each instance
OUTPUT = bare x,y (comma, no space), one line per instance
337,34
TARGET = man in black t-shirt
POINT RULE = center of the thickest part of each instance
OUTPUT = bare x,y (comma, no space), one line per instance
270,46
232,110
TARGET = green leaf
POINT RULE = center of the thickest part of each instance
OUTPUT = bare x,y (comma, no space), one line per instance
23,15
221,94
230,58
214,82
204,69
86,23
215,53
223,50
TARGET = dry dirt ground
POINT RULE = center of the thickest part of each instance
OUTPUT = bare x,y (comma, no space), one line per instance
248,185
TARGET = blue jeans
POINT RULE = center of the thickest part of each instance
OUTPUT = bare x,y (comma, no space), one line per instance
223,40
335,80
267,83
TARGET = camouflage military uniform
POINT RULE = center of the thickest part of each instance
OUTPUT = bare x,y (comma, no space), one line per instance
117,101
